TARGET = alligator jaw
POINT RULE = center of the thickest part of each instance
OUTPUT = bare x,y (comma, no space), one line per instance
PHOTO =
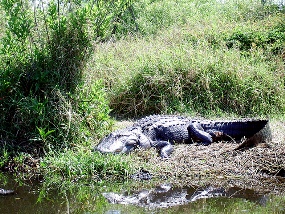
116,147
121,141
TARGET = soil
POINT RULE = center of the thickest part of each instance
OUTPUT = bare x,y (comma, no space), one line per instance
261,167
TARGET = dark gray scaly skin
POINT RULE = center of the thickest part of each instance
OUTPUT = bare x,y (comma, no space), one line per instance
162,131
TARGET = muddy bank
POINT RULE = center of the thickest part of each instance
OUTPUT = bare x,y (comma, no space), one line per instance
260,168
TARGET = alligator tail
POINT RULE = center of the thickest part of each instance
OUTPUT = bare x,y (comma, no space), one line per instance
237,129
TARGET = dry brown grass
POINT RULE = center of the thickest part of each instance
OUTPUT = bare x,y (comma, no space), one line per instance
219,164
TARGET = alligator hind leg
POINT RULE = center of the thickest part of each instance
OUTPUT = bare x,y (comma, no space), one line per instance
164,147
196,131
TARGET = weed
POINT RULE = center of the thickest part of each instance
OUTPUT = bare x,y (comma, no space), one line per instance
79,163
66,66
4,157
43,55
200,80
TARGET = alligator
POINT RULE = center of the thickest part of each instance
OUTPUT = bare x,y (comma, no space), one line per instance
162,131
163,196
167,195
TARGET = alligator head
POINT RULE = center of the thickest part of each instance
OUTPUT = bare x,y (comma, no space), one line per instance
123,141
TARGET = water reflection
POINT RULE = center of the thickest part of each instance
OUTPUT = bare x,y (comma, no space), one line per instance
114,198
166,195
25,197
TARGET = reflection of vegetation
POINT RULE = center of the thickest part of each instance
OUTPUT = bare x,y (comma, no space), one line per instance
274,205
86,197
3,180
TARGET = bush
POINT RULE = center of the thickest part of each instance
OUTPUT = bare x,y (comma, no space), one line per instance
200,79
43,98
81,163
272,39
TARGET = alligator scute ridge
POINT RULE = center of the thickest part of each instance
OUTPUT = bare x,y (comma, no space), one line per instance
162,131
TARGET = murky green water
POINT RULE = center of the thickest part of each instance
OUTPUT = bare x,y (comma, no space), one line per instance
136,197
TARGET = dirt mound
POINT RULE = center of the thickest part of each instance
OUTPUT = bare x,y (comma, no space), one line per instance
260,167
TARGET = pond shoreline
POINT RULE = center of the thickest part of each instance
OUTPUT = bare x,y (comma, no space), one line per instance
260,168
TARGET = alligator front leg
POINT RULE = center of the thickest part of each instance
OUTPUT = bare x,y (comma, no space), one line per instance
164,147
196,131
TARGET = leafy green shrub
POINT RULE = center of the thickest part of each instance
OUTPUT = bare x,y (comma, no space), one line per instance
200,80
272,40
44,101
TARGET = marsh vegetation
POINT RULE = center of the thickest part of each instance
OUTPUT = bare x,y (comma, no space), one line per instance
71,69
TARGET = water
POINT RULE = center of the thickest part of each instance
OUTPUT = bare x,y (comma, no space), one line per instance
25,199
134,197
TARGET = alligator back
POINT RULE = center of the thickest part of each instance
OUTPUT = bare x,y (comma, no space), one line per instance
170,128
237,129
173,128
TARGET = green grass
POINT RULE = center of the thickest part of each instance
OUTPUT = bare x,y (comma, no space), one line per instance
83,163
61,79
178,71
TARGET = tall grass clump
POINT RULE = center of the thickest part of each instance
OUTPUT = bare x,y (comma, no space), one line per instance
84,164
201,81
46,101
207,60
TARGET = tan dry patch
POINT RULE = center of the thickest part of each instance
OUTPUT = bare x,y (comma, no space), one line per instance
220,164
278,132
123,124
